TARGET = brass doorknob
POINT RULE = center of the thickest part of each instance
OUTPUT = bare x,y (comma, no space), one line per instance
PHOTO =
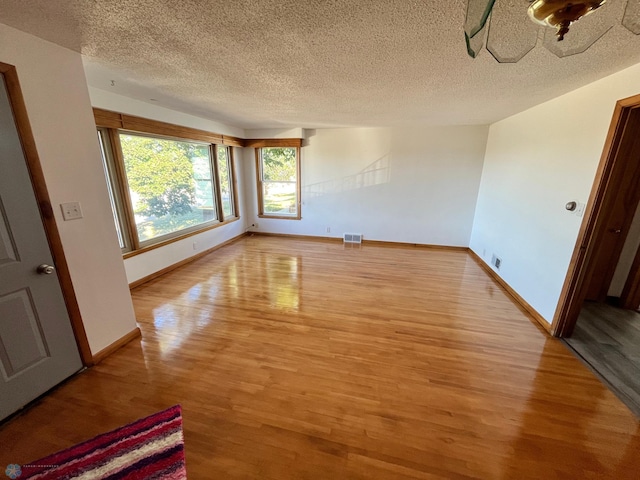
45,269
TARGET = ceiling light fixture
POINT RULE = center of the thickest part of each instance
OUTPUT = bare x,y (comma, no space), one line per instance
560,14
491,23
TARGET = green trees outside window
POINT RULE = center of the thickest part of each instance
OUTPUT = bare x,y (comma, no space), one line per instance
279,180
170,184
161,187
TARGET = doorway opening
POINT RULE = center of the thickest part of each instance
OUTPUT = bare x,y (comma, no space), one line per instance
598,310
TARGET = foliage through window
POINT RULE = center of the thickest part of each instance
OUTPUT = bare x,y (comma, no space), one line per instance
161,188
278,176
170,184
224,173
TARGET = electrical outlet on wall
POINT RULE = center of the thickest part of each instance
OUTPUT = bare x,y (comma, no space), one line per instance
71,210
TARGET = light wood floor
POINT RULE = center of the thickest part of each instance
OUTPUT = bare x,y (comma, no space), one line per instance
306,360
608,339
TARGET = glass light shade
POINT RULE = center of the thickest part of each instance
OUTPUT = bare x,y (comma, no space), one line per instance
560,14
507,17
478,12
631,19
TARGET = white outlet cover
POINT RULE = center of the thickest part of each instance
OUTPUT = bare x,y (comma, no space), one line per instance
71,210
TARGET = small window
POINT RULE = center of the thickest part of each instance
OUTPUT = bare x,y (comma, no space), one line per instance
224,174
278,182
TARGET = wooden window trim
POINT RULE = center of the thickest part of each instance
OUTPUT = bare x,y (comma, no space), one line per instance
171,240
110,119
233,141
116,123
215,172
232,161
276,143
233,183
273,142
123,185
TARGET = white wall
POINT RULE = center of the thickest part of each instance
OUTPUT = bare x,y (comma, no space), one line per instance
152,261
414,185
121,104
535,162
55,92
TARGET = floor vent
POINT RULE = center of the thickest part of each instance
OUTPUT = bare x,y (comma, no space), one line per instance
352,238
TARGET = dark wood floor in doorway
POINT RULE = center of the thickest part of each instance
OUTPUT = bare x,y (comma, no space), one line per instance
608,340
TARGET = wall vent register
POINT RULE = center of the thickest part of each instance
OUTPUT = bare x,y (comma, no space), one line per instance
352,238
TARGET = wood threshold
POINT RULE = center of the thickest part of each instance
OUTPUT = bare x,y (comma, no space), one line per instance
23,126
176,239
143,280
121,342
522,303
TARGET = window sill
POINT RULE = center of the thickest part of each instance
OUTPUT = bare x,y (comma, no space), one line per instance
169,241
280,217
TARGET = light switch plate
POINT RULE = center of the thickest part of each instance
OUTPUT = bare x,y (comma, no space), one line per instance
580,209
71,210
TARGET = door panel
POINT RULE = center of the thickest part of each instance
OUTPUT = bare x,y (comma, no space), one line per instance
624,195
27,345
37,345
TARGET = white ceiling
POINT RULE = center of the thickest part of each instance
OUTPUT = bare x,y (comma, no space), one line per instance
309,63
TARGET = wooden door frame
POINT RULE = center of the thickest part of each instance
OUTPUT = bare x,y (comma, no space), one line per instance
46,211
596,213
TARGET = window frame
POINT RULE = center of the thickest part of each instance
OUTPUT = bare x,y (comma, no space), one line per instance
284,143
233,186
112,124
115,186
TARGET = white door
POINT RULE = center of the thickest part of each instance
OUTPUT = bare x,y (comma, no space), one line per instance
37,346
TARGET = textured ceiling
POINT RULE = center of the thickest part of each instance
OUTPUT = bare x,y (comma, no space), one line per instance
312,64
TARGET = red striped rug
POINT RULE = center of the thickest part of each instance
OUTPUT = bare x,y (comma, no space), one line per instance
151,448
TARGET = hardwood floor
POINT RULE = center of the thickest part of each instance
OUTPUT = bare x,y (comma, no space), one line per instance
608,339
298,359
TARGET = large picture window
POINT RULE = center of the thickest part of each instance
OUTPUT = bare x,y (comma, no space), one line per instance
278,182
170,184
164,187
